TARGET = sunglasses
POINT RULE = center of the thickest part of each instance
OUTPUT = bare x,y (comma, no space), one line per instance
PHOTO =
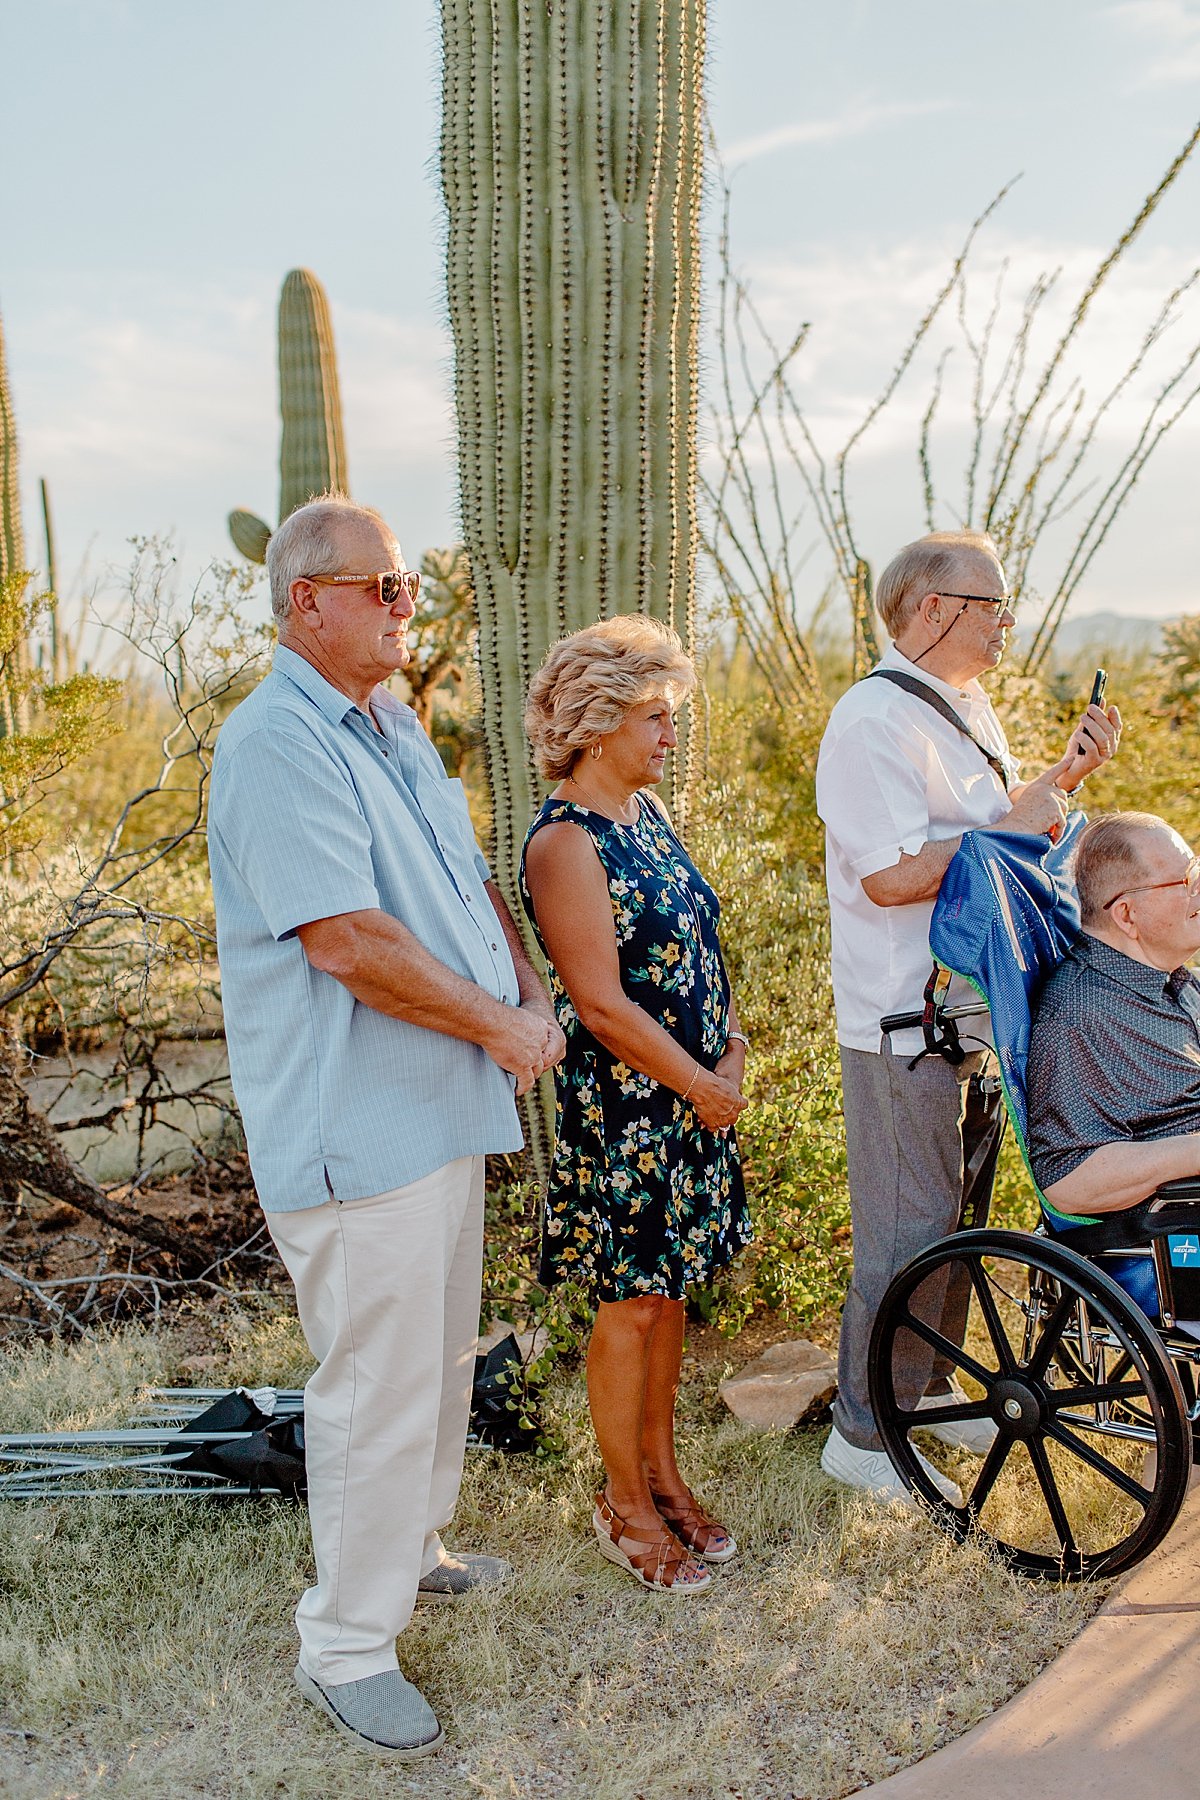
388,586
1190,881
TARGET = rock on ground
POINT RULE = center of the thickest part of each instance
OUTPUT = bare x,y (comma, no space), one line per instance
778,1389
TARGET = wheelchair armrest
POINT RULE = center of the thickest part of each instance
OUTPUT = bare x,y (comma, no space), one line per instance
1175,1206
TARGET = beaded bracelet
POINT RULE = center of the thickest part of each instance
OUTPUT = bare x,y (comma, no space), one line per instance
691,1084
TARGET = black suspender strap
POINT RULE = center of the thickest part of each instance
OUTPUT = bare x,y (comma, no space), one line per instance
924,692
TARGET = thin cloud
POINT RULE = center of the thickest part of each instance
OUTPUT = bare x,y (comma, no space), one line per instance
1171,28
165,423
864,302
861,117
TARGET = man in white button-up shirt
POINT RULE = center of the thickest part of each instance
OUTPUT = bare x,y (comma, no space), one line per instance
913,757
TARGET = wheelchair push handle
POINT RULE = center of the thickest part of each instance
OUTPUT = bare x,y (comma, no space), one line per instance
911,1021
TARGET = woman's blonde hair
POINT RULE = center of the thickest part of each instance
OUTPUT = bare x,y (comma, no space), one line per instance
589,681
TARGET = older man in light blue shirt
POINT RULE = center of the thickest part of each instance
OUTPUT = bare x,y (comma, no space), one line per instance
381,1013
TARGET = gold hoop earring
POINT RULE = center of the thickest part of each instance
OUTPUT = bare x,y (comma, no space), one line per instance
596,751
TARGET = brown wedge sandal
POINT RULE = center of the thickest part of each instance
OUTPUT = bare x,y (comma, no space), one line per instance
695,1528
657,1560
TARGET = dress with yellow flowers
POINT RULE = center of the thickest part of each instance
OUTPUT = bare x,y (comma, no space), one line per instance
642,1198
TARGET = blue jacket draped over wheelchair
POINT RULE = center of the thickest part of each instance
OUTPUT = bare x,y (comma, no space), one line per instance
1006,913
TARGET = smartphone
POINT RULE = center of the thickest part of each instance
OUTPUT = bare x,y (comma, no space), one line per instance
1099,688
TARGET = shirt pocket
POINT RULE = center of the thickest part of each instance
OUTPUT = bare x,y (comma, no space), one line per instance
444,804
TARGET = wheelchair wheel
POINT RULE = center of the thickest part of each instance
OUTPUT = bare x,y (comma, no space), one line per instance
1093,1443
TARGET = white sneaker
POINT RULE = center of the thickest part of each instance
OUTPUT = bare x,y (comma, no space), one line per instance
976,1435
872,1473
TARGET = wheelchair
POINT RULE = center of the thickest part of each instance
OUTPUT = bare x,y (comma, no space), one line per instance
1083,1337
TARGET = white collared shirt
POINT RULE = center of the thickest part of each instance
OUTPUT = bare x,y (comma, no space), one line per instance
893,775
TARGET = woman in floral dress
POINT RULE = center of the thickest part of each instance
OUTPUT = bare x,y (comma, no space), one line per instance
646,1195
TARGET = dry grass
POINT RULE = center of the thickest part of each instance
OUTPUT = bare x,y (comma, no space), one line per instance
146,1647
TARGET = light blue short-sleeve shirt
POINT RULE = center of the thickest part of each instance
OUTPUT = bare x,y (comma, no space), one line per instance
313,813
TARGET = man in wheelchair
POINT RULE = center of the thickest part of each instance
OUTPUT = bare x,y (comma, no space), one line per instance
1113,1076
1084,1345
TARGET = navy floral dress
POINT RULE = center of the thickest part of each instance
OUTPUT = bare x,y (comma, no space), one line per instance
642,1198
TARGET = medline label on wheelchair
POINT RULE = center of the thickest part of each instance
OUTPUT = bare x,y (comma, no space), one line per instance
1183,1251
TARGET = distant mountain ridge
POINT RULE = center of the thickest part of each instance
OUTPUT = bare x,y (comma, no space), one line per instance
1101,631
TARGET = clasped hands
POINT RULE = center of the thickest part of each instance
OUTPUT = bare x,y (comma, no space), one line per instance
717,1093
530,1044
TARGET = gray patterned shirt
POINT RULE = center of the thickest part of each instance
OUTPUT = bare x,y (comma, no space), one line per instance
1114,1056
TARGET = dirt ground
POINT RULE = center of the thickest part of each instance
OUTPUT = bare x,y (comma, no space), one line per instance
53,1257
68,1258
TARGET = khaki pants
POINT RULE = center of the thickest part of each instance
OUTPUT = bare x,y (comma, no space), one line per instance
388,1295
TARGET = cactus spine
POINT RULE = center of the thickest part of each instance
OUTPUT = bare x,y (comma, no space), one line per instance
312,450
572,157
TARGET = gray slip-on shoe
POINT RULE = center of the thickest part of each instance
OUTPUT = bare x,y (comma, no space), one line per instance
457,1575
382,1713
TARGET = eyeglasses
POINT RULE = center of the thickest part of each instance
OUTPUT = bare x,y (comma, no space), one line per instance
1190,881
388,586
998,602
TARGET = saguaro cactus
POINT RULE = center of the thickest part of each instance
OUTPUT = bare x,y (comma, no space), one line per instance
312,449
14,634
12,538
571,159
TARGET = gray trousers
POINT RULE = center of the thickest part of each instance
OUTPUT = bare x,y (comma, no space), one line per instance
921,1150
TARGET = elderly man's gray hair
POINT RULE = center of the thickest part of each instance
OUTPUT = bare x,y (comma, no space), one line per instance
306,544
926,567
1110,857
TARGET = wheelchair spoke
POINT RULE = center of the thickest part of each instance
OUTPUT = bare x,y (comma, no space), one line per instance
1051,1336
1058,1431
1051,1495
1083,1396
989,1474
945,1347
981,1283
930,1416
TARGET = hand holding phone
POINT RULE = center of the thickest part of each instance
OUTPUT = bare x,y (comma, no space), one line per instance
1099,689
1096,737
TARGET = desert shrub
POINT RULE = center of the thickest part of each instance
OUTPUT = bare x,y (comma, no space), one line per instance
757,837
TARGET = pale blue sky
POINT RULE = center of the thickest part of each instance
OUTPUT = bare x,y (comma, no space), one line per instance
169,160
